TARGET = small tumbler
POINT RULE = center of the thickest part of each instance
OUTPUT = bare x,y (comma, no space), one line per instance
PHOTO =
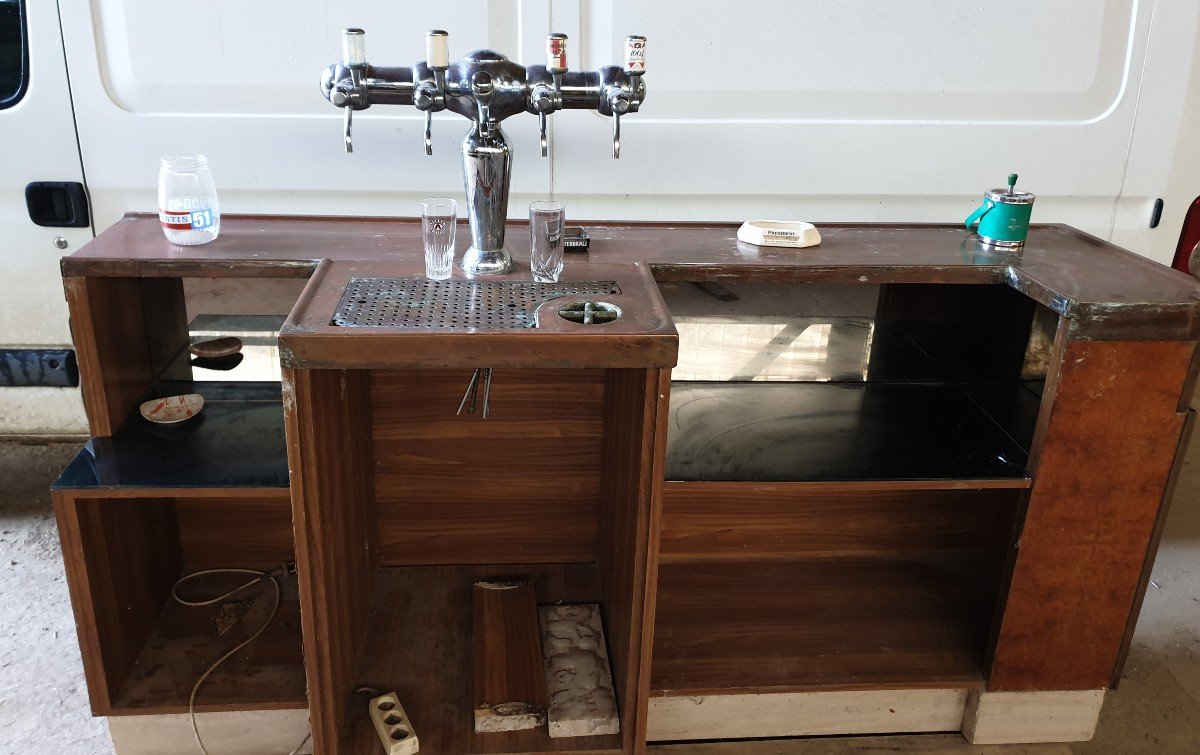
187,200
437,230
546,240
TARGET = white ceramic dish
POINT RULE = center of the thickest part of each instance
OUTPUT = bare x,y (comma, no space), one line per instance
793,233
173,409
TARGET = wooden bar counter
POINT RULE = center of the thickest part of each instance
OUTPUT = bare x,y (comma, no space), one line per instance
895,482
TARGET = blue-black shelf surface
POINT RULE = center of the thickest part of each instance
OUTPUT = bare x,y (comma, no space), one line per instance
844,431
237,441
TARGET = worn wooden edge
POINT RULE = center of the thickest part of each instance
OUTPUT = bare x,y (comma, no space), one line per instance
805,714
993,718
849,486
281,494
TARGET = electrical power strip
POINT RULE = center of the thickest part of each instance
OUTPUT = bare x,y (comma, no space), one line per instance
392,725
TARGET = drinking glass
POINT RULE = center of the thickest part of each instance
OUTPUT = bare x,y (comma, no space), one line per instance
437,230
546,240
187,200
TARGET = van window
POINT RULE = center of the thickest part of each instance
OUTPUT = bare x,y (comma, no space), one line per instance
14,58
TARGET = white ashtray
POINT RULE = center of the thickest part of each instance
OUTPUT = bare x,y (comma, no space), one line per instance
793,233
173,409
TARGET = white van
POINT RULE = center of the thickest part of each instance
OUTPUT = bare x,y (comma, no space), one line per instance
814,110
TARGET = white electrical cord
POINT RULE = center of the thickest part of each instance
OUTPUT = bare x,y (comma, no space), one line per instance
259,576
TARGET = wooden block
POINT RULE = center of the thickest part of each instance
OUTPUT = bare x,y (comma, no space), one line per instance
510,689
393,725
805,714
578,679
1031,717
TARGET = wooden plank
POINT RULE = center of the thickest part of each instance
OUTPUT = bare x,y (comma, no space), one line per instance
522,486
327,421
578,678
254,533
419,645
785,521
120,561
635,407
769,626
997,718
806,714
510,688
1109,441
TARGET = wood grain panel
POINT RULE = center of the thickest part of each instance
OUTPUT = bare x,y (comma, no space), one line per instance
775,626
744,521
253,533
121,559
110,340
1105,459
327,421
510,686
635,409
521,486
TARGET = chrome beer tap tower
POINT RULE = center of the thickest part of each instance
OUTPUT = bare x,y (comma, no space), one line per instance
485,87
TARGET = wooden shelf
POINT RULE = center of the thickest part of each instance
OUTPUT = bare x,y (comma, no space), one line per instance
266,675
724,628
236,442
418,645
802,432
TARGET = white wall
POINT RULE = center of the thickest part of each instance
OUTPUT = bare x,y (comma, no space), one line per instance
816,109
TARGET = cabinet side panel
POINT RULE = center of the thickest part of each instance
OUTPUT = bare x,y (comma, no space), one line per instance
1109,444
327,416
121,558
634,450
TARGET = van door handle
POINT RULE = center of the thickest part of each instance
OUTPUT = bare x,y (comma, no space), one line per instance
57,204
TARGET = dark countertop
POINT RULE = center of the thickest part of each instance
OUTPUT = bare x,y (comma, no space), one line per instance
1106,292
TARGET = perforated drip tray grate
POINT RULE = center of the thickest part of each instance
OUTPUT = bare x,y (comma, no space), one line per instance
417,302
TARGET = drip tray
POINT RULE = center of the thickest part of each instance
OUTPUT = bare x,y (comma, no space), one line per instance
417,302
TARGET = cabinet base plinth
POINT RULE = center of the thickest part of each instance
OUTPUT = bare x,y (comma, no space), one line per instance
994,718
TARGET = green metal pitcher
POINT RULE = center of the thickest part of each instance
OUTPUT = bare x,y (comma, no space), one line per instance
1004,216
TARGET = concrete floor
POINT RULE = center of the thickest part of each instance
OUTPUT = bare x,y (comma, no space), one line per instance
44,708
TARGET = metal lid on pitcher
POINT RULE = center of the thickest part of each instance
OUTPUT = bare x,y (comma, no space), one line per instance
1010,195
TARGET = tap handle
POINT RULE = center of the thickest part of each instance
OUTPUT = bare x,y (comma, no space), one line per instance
635,55
437,49
353,48
542,135
556,53
346,129
616,135
428,132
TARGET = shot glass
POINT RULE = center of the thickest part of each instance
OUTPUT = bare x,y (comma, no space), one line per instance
546,240
438,216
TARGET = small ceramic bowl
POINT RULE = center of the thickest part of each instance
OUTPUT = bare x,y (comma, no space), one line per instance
173,409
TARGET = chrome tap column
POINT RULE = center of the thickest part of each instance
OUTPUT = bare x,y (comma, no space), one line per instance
487,173
485,87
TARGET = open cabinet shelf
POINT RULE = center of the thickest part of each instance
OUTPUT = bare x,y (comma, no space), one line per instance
796,432
419,645
237,441
756,627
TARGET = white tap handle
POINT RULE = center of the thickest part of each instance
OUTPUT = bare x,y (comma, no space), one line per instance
556,53
437,49
635,54
353,47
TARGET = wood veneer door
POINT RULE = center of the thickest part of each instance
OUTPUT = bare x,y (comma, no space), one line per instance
1112,421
